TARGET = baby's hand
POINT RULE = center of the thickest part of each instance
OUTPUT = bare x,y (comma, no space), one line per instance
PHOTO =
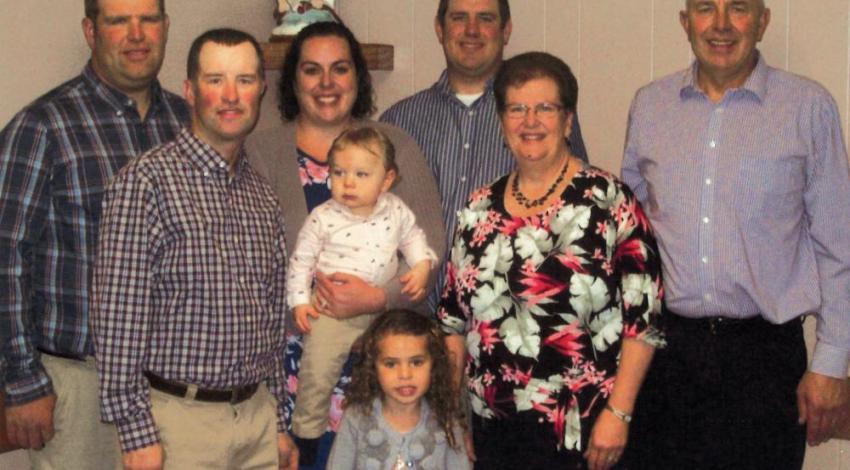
416,280
302,317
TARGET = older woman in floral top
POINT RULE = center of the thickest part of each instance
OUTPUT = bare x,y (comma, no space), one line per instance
553,293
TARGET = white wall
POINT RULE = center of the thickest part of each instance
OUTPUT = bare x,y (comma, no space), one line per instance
613,46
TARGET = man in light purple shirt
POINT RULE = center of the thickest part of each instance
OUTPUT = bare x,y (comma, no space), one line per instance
743,172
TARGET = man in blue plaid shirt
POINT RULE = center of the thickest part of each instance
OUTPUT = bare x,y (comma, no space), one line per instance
56,157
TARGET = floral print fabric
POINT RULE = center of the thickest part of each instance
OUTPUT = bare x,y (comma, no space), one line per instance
544,301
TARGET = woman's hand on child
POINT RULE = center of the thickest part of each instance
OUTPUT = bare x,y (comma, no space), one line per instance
343,295
303,313
415,281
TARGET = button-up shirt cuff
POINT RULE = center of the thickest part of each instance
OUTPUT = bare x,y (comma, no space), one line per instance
294,300
137,432
282,426
830,361
23,388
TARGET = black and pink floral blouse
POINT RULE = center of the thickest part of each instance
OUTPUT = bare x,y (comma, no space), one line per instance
545,301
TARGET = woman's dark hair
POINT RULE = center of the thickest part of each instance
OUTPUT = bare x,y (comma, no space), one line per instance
441,395
522,68
288,104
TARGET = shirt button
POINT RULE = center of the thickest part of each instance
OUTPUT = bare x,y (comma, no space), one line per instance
119,113
236,239
719,110
705,260
706,220
708,181
207,173
241,280
471,113
706,296
463,179
222,164
712,144
466,146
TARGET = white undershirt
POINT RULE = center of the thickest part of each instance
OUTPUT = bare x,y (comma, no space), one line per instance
468,99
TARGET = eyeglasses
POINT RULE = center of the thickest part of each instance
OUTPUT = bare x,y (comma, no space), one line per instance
542,110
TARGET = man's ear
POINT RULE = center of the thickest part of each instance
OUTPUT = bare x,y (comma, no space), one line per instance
506,32
89,32
166,22
683,20
438,28
189,91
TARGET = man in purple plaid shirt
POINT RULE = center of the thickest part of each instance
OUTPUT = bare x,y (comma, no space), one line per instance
188,311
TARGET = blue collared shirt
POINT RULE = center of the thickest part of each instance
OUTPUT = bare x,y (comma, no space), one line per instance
464,145
749,198
56,157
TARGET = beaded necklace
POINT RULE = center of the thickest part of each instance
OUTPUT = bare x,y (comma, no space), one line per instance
528,204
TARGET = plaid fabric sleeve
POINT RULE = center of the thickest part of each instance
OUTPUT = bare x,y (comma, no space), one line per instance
277,381
121,316
25,146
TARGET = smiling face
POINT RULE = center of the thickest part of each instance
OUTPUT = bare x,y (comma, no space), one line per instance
358,178
473,40
326,81
535,137
127,41
723,35
225,96
404,370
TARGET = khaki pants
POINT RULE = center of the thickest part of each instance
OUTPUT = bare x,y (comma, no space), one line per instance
326,349
81,441
203,435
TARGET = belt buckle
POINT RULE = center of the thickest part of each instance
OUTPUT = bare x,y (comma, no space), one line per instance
714,325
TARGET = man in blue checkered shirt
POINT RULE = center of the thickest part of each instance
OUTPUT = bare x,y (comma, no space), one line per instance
56,157
188,310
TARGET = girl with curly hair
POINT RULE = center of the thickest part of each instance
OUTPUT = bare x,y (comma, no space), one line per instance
400,410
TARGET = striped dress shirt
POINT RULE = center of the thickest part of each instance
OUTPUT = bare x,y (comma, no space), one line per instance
56,157
188,283
749,201
464,146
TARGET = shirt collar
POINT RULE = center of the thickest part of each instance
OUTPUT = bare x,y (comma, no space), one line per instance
380,206
756,83
206,158
444,88
117,99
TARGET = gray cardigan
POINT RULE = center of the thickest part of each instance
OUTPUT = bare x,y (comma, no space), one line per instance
272,152
370,443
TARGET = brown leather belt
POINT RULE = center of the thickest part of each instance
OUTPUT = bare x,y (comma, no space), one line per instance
234,396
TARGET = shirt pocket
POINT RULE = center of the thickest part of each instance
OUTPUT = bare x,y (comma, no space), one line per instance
771,188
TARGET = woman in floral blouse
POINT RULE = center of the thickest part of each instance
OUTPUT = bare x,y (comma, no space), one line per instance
553,293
